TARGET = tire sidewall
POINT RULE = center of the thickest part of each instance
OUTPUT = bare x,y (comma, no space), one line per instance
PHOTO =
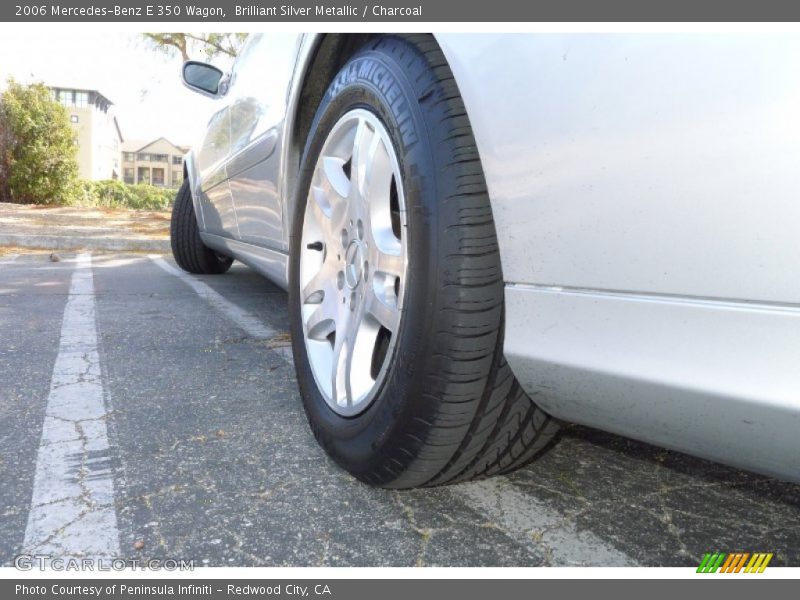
375,82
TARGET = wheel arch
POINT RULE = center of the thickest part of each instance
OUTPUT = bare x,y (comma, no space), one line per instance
320,57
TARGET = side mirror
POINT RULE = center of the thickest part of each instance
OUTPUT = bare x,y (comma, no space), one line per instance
203,78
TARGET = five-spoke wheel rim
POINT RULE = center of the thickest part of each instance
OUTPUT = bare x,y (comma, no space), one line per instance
353,262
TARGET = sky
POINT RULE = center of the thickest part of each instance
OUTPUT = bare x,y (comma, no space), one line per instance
144,85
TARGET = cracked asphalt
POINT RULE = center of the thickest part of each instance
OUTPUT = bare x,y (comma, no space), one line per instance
212,460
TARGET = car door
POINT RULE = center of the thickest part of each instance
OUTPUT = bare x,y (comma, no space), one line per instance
214,194
262,76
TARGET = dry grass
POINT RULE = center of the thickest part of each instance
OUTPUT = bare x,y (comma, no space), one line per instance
55,220
9,250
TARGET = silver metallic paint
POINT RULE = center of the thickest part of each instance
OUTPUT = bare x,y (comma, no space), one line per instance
270,263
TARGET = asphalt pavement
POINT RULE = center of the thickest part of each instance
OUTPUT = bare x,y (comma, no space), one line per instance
189,442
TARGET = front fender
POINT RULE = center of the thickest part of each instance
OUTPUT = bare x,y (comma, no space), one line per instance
190,173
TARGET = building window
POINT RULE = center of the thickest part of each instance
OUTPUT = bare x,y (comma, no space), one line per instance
64,97
159,158
143,156
71,98
143,175
129,156
177,178
177,160
73,118
128,175
158,176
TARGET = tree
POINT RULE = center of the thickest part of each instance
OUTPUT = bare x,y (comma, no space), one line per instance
5,158
37,149
186,44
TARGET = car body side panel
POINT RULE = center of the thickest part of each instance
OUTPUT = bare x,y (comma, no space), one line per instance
219,214
656,163
270,263
258,206
715,379
289,159
262,78
214,149
645,193
212,191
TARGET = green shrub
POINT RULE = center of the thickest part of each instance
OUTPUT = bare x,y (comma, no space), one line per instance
115,194
37,153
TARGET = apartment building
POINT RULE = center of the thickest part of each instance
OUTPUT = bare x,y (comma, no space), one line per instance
159,162
98,136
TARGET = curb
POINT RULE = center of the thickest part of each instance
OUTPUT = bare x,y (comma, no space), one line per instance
64,242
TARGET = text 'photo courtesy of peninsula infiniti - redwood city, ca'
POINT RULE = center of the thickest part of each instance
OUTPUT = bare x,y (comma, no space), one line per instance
485,235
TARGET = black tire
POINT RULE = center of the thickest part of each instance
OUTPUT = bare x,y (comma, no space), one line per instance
187,247
450,408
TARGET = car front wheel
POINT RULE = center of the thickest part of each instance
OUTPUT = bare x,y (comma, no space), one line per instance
396,290
188,249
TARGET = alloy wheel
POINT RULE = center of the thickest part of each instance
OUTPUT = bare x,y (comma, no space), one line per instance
353,262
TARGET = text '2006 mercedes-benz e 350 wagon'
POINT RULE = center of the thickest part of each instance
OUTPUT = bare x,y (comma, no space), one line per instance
482,235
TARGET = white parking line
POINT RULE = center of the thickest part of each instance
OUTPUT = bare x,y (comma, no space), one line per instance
72,511
533,524
244,320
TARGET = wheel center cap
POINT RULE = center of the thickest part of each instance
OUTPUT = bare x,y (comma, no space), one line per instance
354,264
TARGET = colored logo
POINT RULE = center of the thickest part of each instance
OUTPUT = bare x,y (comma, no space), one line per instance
743,562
